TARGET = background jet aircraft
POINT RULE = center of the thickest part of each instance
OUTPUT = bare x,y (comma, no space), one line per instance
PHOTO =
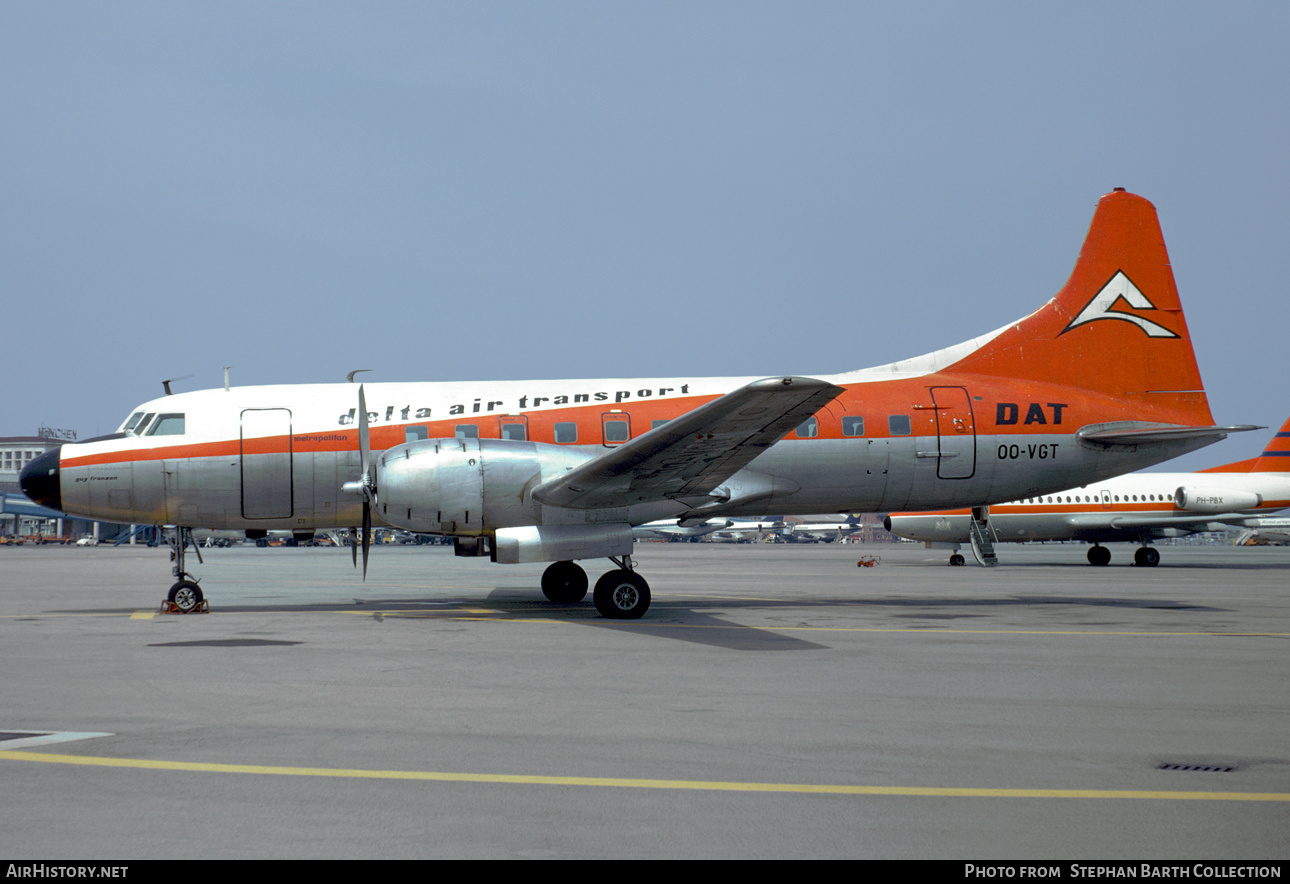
1266,530
671,529
1099,381
1137,508
822,527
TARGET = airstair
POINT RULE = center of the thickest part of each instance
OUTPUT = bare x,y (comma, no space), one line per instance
979,533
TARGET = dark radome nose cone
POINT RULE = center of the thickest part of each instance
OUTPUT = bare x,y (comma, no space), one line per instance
39,480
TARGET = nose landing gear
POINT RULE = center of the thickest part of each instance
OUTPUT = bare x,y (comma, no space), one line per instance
185,597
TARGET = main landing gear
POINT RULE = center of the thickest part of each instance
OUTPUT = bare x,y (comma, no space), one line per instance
620,594
185,596
565,583
1146,556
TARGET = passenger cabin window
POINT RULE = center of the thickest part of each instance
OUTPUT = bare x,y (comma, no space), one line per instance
616,432
466,431
655,424
415,434
516,431
168,425
566,433
852,426
808,429
898,425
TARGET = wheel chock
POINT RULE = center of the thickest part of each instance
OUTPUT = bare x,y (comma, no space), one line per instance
169,607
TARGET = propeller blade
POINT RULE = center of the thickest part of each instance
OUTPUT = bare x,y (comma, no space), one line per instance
365,487
364,441
367,530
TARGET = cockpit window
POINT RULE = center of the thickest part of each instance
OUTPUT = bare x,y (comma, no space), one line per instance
132,422
168,425
140,427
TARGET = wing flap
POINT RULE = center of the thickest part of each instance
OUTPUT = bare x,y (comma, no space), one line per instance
693,454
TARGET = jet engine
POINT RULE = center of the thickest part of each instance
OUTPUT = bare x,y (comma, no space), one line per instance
1213,499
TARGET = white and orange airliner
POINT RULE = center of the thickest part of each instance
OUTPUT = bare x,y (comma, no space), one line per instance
1099,381
1137,508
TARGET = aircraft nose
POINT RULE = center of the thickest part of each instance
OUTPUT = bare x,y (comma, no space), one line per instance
39,480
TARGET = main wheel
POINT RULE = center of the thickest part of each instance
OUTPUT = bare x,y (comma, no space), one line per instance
1099,555
957,559
185,595
622,595
564,583
1147,556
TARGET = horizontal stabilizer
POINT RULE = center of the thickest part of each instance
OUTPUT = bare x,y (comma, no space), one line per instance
1133,434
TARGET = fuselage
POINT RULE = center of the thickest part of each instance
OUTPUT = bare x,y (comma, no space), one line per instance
897,438
1125,508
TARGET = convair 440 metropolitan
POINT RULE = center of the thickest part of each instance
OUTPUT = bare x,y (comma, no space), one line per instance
1142,507
1099,381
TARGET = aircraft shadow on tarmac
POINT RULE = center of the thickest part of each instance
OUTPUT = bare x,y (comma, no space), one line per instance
691,620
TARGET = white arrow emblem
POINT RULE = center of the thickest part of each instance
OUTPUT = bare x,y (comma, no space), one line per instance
1120,287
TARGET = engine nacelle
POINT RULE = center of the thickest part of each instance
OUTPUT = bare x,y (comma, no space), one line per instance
1214,499
466,487
561,543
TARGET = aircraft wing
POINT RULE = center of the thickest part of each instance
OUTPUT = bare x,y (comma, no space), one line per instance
1129,522
692,454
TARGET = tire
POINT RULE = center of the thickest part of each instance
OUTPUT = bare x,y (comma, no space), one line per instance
622,595
564,583
1099,555
957,559
1147,556
186,596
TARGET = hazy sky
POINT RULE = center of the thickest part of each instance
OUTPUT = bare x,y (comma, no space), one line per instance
467,191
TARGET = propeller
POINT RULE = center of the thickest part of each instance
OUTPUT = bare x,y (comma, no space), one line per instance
365,487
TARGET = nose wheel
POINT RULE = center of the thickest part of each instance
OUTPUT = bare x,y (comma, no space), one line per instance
185,596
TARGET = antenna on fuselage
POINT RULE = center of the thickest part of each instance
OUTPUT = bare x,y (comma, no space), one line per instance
226,368
166,384
350,377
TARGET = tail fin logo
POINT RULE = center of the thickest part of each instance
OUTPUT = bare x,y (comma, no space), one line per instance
1279,446
1120,288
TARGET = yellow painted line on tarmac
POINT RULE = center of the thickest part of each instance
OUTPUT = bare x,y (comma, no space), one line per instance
629,783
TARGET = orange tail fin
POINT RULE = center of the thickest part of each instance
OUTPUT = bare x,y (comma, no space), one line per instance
1116,327
1276,456
1274,459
